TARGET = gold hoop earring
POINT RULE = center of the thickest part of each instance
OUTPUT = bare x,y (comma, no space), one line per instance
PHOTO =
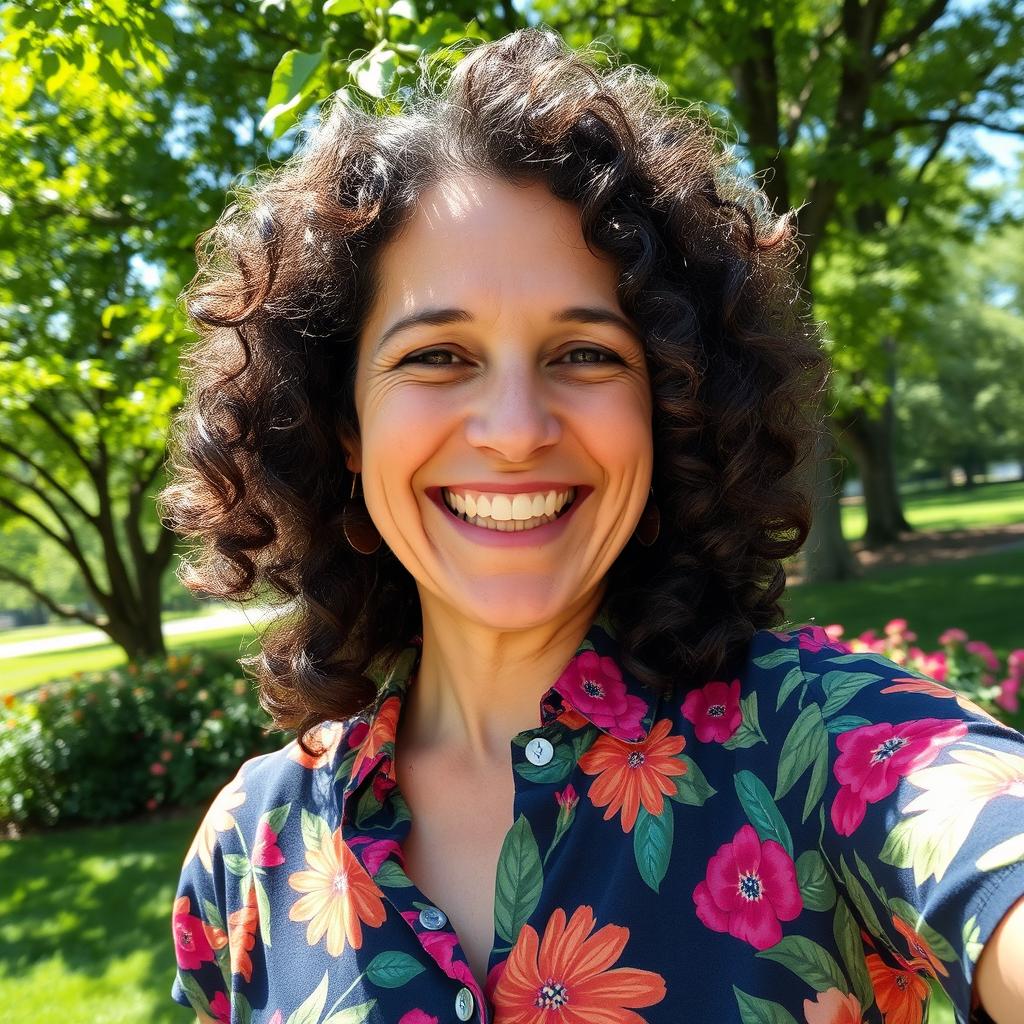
357,526
649,527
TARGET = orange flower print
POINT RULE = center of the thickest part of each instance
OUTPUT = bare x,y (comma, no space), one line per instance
900,992
922,955
634,774
339,899
833,1007
327,737
566,976
218,819
382,730
242,926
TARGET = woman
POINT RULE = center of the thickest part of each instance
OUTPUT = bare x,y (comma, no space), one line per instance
509,397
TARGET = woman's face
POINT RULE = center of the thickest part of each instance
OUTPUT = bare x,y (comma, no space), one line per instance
516,393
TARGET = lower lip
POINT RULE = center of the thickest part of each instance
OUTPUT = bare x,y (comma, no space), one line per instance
514,539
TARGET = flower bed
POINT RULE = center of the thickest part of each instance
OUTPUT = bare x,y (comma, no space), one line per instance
106,745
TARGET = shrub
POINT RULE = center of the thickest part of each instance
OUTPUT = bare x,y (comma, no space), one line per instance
105,745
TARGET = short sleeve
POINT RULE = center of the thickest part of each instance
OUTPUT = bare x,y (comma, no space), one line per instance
922,821
201,908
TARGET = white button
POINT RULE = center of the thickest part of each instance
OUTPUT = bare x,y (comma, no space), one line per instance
432,918
464,1004
539,751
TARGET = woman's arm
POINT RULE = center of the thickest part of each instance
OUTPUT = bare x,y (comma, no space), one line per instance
999,976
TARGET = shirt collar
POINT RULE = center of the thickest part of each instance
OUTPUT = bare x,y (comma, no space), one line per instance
593,688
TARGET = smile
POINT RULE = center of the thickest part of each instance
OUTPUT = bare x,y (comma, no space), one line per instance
508,513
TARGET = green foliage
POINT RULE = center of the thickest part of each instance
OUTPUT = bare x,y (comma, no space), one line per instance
102,746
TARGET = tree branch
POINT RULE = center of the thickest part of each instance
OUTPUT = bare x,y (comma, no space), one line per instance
941,135
899,47
64,611
798,109
883,131
63,435
49,478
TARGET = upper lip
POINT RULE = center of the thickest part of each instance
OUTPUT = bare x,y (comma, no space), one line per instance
524,487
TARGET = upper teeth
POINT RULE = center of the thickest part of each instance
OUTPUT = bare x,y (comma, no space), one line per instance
503,507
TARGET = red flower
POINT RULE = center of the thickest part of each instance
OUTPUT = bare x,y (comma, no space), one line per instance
874,758
265,851
714,710
749,888
814,639
900,993
191,946
221,1008
594,686
417,1017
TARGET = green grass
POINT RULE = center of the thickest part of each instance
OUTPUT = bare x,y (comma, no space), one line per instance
85,924
20,633
986,505
27,671
980,595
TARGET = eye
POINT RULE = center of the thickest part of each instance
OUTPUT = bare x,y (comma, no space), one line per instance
422,357
607,356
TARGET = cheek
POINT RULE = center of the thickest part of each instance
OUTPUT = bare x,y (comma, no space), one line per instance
404,425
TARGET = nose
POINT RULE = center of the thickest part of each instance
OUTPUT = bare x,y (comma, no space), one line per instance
514,417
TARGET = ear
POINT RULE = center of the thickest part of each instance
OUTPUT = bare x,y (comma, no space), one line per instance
353,450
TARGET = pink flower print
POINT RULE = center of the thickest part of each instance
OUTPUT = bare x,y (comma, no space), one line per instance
277,1018
593,685
417,1017
874,758
568,798
357,734
714,710
377,852
814,639
191,946
265,851
749,888
221,1008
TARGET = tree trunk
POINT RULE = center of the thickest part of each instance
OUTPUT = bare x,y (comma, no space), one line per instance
870,439
826,555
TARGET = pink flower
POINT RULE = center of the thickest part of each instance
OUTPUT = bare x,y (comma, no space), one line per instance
983,651
593,685
895,627
814,639
935,665
156,768
952,636
874,758
714,710
221,1008
377,852
1008,698
568,798
191,946
749,888
265,851
152,804
1015,662
835,631
358,733
417,1017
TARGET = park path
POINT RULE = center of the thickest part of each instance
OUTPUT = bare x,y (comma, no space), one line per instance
223,618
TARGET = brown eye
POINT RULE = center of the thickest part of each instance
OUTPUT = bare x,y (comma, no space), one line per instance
606,356
422,358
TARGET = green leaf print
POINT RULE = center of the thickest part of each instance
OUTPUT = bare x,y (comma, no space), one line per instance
393,969
794,677
312,1006
749,731
196,996
652,844
276,818
761,811
971,932
841,687
367,806
519,880
391,875
692,788
582,742
314,828
237,863
212,913
263,906
939,946
352,1014
807,741
754,1010
781,655
844,723
808,961
819,779
848,941
861,901
865,873
554,771
345,768
910,846
816,887
241,1007
1003,854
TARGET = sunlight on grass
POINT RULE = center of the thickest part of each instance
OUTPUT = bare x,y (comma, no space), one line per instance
85,937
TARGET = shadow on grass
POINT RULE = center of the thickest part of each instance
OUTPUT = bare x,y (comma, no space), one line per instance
82,908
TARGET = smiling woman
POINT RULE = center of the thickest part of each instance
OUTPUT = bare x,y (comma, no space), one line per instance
551,763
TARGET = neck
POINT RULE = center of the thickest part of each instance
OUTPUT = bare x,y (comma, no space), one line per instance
476,686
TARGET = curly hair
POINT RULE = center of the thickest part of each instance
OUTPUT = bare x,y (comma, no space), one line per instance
286,277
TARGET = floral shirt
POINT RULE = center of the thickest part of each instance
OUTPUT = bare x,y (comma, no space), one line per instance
815,838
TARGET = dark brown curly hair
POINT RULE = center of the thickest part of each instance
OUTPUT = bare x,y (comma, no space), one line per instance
288,273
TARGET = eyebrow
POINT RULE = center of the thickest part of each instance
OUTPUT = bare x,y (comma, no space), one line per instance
439,317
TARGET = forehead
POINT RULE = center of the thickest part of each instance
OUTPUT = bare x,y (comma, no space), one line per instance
480,242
